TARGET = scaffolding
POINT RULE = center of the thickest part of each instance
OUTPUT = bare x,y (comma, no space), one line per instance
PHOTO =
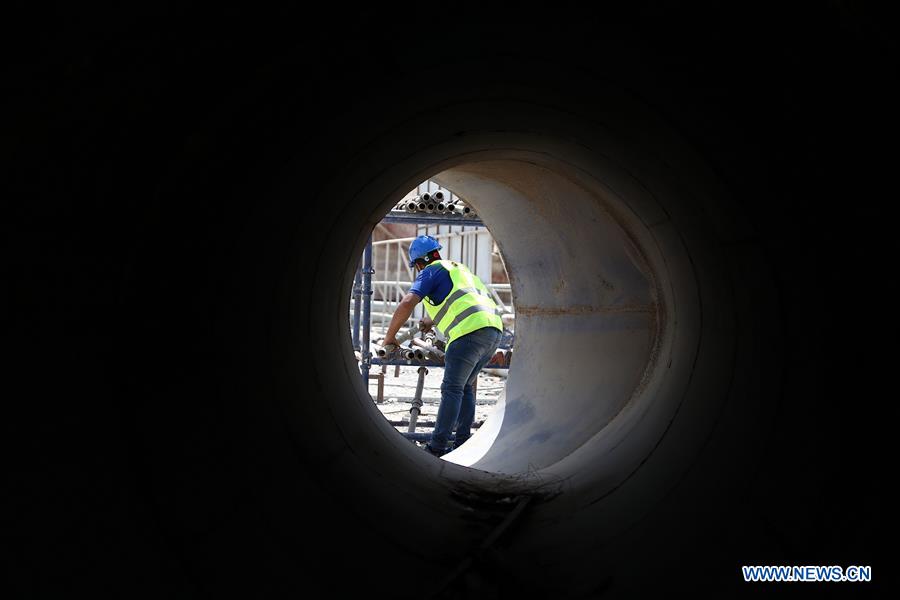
363,291
363,288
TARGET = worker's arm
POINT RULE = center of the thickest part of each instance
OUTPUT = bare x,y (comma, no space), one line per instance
401,316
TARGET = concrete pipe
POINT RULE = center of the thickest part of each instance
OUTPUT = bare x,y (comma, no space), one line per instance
666,411
621,376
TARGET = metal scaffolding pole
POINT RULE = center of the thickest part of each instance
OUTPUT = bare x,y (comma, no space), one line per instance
367,272
417,400
357,306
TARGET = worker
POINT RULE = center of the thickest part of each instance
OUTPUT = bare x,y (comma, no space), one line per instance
459,305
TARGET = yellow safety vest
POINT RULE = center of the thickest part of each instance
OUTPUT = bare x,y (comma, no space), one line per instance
466,308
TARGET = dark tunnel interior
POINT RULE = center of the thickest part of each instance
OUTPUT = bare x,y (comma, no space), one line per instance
185,205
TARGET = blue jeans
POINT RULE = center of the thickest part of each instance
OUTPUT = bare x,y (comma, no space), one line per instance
464,359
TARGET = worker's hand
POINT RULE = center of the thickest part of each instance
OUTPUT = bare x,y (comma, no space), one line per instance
426,324
389,341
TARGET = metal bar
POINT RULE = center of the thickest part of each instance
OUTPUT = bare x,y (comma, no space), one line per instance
497,299
380,398
357,305
423,437
387,253
432,217
431,424
417,400
367,272
474,262
401,362
399,354
428,347
406,335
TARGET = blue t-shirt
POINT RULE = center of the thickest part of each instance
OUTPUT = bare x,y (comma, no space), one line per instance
433,281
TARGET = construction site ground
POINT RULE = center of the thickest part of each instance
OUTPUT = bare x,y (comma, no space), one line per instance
399,393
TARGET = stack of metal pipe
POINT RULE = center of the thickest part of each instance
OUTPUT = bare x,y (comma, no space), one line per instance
406,353
428,349
435,203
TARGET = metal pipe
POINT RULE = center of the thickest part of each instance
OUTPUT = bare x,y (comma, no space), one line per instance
367,272
427,347
400,337
405,353
417,400
380,397
419,354
448,234
461,207
357,305
423,437
406,335
411,206
395,423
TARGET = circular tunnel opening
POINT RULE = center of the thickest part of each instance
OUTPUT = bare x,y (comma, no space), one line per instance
407,384
589,311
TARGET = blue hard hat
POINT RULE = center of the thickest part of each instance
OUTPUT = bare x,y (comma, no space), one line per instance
421,246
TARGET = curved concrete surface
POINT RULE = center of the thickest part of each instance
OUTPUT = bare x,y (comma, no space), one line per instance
587,315
667,408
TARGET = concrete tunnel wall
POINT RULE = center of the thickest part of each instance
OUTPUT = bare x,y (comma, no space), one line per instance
667,407
586,317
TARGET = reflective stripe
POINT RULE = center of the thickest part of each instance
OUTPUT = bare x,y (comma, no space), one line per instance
447,302
466,313
450,300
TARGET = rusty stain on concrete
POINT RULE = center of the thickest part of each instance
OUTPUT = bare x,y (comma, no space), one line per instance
580,309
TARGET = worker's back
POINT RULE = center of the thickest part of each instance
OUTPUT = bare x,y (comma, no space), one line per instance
463,308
